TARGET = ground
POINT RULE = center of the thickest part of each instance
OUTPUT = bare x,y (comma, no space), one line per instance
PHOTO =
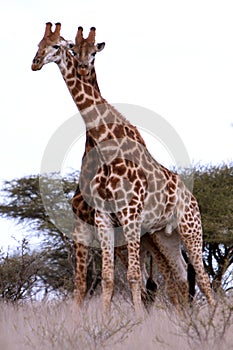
57,325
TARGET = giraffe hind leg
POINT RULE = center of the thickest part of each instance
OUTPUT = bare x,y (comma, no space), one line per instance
174,265
174,287
191,234
80,283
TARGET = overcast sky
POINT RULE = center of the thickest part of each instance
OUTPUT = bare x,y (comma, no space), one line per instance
172,57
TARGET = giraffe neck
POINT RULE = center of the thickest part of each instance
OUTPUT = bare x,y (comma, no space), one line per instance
84,90
103,122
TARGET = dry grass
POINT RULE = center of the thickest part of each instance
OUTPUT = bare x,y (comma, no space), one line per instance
57,325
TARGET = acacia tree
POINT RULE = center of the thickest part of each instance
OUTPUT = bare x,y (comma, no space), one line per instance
19,273
213,188
54,257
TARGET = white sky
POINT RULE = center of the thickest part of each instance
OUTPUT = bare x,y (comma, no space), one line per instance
173,57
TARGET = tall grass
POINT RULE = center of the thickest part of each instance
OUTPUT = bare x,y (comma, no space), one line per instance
58,325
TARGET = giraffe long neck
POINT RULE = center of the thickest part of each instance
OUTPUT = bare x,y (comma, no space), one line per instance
103,122
84,91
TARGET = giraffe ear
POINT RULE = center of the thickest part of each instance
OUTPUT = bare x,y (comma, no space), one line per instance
100,46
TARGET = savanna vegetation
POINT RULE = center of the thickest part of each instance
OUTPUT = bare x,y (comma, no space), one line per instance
42,276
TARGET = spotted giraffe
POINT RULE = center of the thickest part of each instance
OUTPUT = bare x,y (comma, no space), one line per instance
170,263
128,189
51,39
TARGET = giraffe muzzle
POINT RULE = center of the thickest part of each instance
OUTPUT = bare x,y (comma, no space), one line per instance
35,67
83,69
36,64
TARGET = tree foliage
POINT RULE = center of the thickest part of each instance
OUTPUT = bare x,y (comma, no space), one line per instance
213,188
22,202
19,273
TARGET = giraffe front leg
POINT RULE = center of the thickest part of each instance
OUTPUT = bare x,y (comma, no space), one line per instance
107,279
106,237
132,236
80,284
134,274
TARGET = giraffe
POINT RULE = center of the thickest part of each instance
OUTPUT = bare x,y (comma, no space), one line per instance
52,40
169,264
128,188
87,212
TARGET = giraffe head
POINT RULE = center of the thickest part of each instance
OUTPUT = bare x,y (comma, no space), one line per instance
85,49
50,47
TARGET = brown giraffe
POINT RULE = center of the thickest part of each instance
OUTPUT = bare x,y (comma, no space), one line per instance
128,188
170,262
52,40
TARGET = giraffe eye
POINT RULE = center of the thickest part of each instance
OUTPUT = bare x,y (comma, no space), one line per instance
93,54
56,47
74,53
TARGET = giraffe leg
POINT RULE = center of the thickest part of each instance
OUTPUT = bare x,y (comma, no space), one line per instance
197,263
143,270
106,236
191,234
173,285
80,285
107,278
134,274
151,285
170,247
145,277
121,256
132,235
